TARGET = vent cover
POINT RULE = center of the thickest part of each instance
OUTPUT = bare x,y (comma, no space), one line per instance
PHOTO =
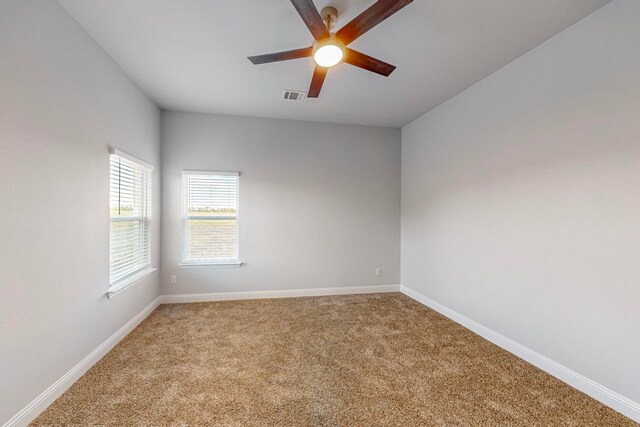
294,95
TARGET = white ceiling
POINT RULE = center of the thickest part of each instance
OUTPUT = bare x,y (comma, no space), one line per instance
190,55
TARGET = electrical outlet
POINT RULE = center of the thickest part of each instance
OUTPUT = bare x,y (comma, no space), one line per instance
378,271
174,279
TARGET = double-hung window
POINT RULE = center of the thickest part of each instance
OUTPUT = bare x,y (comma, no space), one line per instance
210,218
130,212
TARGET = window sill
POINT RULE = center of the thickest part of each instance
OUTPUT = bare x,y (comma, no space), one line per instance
229,264
127,282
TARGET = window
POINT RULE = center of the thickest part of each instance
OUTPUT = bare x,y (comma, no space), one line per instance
210,218
130,209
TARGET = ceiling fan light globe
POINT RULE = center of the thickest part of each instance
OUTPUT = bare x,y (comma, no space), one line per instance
328,55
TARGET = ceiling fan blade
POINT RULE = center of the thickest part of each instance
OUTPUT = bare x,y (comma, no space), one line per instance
367,62
316,82
368,19
282,56
311,18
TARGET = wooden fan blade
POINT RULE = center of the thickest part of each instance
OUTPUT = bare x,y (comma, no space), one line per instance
367,62
368,19
316,82
309,14
282,56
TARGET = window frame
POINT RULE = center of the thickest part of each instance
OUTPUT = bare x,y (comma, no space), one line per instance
142,269
222,262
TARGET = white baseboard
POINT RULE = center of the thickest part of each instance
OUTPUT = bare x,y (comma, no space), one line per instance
599,392
47,397
289,293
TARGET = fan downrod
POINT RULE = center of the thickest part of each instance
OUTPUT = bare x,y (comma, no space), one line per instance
329,15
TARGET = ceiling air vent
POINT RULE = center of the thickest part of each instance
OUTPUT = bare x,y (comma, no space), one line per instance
294,95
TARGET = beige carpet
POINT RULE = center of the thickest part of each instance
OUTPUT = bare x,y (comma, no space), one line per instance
361,360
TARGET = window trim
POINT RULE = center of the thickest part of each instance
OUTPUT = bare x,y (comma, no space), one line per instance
223,263
226,264
129,281
144,270
131,158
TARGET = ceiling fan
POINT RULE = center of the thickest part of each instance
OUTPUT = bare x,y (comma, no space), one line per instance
329,48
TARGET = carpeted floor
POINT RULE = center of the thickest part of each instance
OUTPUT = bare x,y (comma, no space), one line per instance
360,360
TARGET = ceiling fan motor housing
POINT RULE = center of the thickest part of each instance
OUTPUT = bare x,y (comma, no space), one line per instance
333,40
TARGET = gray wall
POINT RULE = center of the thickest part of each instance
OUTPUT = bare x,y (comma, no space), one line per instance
521,199
62,103
319,203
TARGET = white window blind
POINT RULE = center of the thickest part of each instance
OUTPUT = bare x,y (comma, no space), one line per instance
130,208
210,218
